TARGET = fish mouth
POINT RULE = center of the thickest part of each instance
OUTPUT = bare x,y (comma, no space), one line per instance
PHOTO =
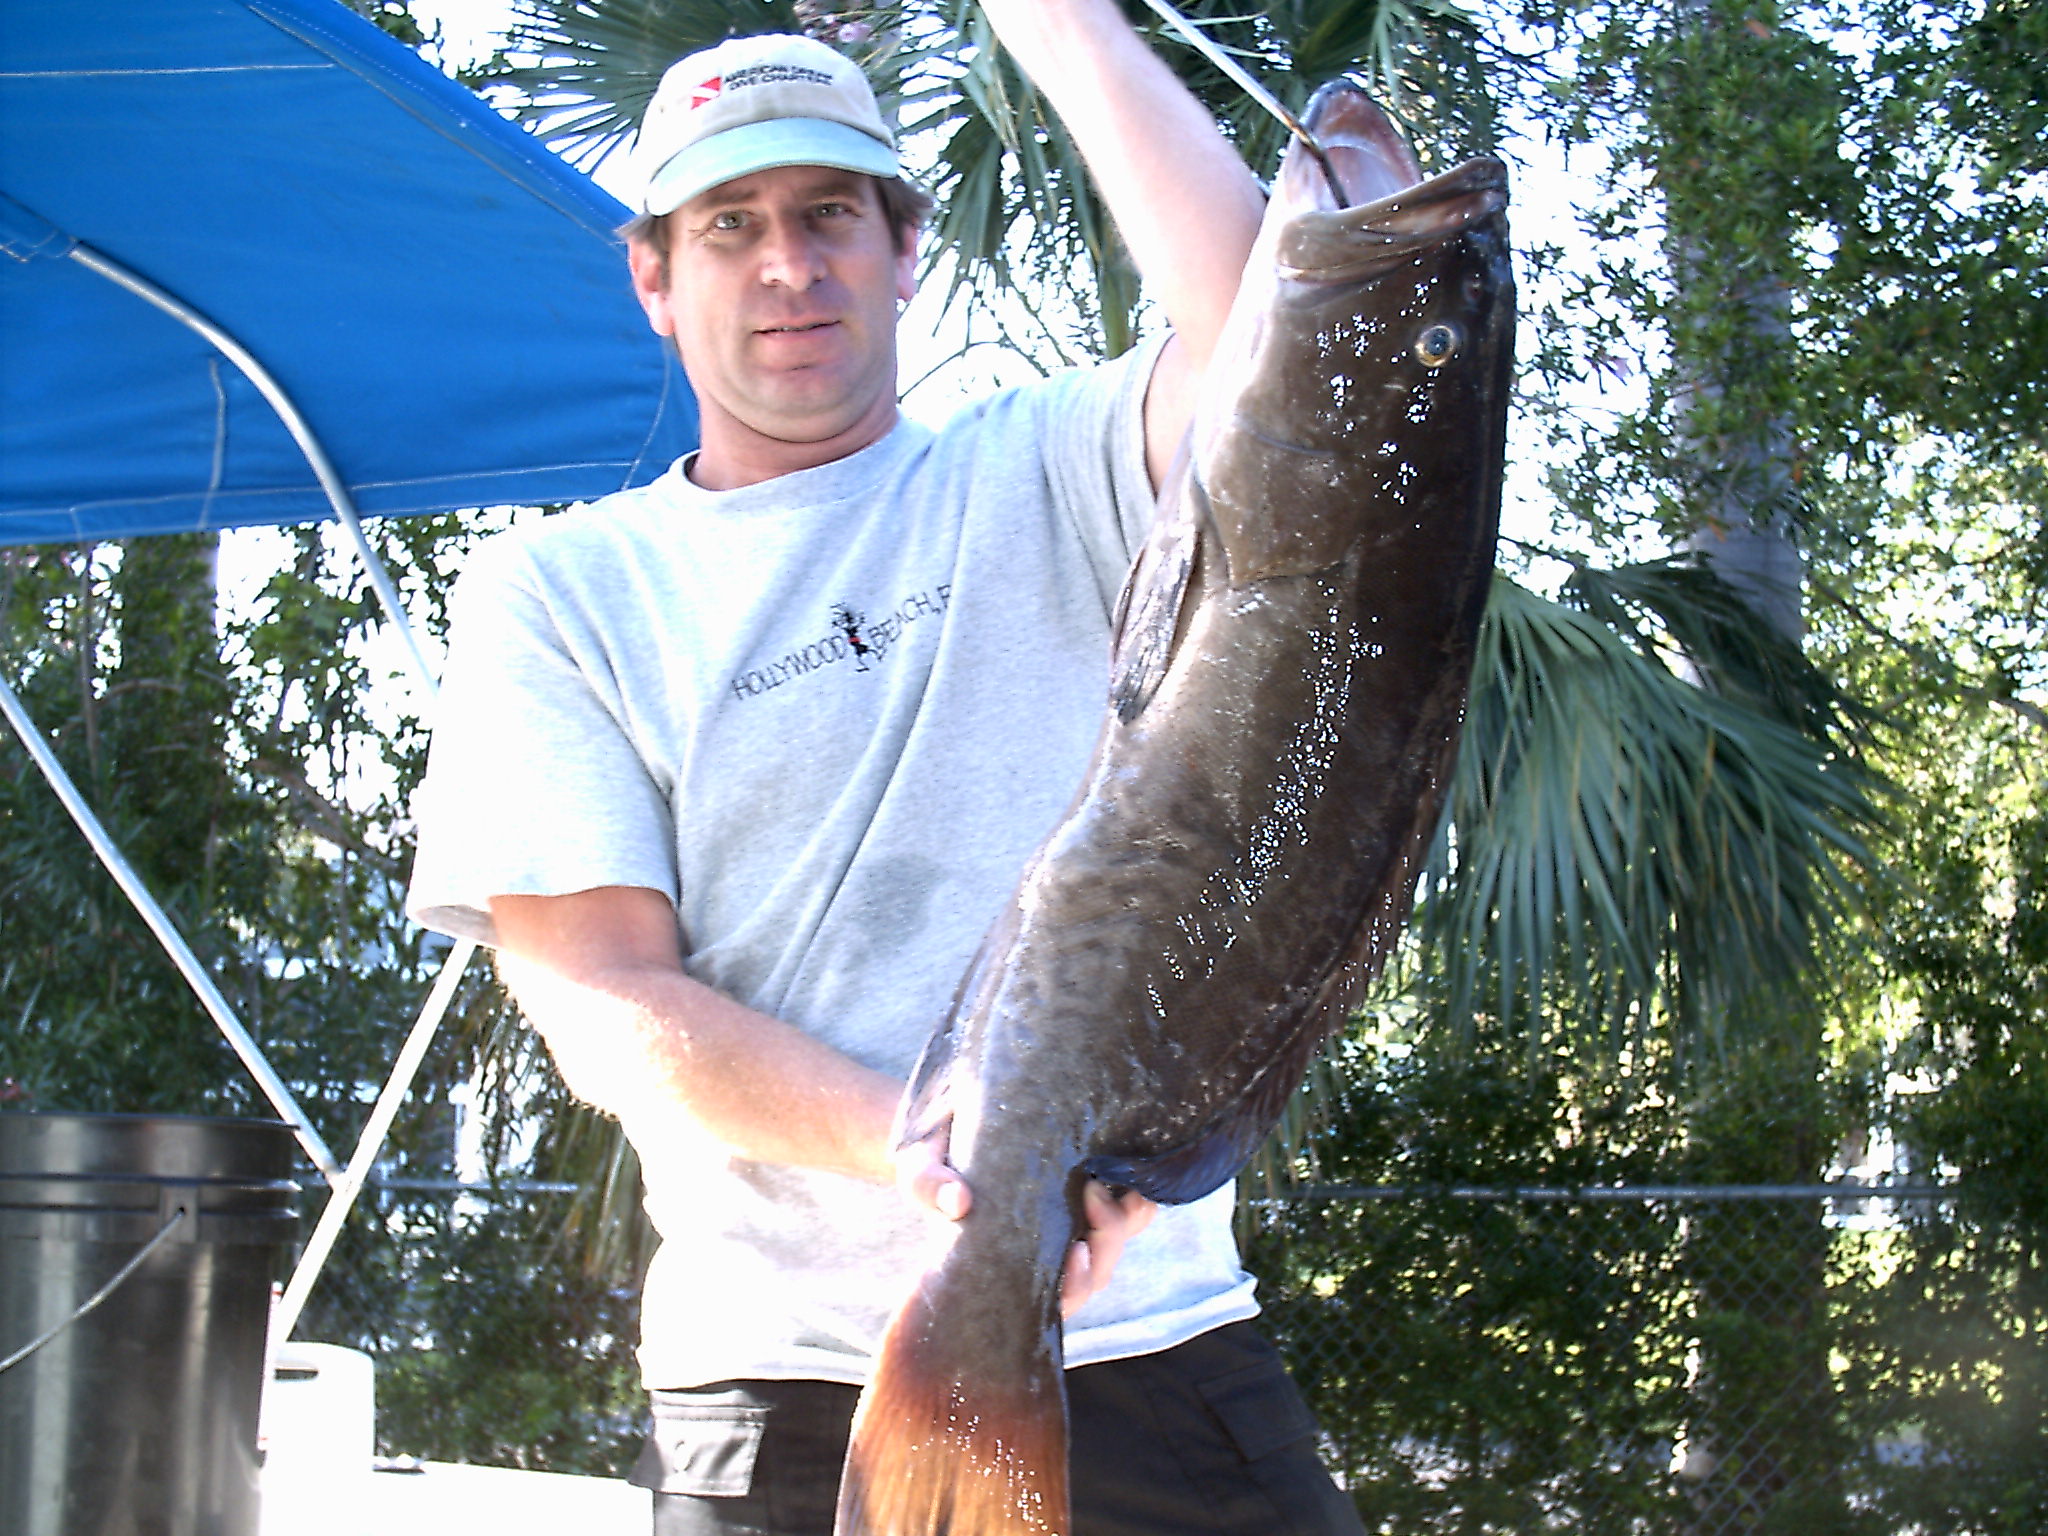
1392,212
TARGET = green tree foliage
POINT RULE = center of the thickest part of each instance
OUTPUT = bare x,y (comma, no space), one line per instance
1484,1364
1876,164
493,1345
1960,1328
233,767
83,985
1815,255
1877,169
254,767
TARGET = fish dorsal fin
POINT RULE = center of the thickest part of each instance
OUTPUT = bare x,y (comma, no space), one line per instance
1148,618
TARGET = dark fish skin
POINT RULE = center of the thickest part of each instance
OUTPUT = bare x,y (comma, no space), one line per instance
1288,688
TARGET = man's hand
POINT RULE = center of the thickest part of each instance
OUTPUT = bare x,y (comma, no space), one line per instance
928,1181
1114,1218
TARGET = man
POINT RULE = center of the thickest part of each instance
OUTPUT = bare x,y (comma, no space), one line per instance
735,769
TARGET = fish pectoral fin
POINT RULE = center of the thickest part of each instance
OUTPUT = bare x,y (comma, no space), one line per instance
1148,619
1186,1173
1192,1170
1211,1158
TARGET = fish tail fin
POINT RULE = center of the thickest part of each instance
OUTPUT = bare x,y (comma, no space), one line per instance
963,1429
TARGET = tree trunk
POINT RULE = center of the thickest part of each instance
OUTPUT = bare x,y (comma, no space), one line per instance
1761,1443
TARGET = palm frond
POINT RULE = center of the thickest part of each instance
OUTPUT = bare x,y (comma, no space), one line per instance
1624,846
1679,606
1017,211
606,1229
603,1230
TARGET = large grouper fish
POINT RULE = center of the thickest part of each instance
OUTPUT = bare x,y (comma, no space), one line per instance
1288,685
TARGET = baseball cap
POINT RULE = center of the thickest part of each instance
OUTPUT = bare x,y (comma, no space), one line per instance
751,104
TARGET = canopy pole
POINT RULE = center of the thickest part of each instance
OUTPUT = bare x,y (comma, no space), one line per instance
343,1198
167,935
323,468
345,1185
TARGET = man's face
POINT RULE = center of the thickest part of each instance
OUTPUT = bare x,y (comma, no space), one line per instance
781,291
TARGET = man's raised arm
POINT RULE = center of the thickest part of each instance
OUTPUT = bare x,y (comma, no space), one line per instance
1185,203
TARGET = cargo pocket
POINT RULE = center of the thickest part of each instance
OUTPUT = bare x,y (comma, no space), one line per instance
707,1448
1262,1412
1259,1408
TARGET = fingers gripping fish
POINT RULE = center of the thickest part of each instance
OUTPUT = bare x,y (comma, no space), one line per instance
1288,686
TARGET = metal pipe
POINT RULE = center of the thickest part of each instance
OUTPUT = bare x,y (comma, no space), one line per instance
350,1185
331,483
346,1185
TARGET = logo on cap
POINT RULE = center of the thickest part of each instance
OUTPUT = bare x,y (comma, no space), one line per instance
707,92
775,74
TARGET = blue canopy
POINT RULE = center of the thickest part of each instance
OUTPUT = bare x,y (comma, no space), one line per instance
445,301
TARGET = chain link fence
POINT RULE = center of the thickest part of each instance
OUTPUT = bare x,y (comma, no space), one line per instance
1674,1361
1729,1361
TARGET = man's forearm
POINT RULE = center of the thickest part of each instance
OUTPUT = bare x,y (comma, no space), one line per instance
599,973
636,1036
1185,203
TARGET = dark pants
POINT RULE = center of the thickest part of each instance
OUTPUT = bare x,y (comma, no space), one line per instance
1209,1439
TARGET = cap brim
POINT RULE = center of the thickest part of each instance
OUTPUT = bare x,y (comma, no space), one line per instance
763,146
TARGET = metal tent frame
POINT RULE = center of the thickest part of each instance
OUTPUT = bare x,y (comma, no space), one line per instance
185,46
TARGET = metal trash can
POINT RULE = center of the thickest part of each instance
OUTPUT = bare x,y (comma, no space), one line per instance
138,1419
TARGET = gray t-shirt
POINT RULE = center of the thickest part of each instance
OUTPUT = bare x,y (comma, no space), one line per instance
830,716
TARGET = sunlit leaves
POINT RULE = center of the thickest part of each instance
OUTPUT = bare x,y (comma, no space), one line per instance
1833,213
600,60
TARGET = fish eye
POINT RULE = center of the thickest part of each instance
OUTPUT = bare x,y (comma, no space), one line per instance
1437,345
